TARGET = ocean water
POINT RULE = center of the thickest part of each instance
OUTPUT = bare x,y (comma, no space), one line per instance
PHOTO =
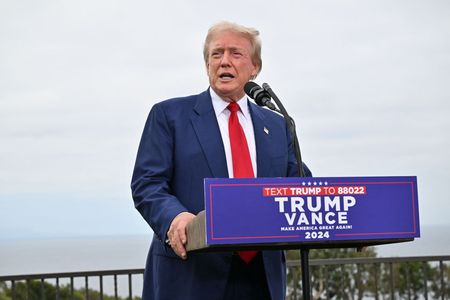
37,256
72,255
129,252
433,241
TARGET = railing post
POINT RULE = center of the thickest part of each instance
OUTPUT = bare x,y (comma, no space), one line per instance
327,282
391,273
306,279
441,267
42,289
425,280
376,269
13,288
27,289
115,286
342,281
57,288
86,285
408,288
71,288
358,280
130,287
101,286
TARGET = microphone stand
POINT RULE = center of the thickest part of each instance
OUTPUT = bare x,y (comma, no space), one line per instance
304,252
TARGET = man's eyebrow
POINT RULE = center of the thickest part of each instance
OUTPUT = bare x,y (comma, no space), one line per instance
217,49
232,48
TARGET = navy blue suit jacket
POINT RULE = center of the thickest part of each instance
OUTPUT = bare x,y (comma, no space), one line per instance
180,146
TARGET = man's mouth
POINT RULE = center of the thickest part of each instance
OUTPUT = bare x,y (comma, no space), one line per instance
226,76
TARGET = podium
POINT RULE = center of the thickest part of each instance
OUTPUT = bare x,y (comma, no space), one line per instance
305,213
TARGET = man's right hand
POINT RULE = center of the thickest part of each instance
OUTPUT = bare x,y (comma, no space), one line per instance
177,233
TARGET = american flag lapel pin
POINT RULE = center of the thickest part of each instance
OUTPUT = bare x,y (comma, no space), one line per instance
266,130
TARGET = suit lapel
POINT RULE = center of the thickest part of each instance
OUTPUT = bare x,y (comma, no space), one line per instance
262,140
207,130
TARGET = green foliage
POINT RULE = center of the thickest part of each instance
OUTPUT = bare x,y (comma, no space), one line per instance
411,279
339,281
37,290
408,280
440,289
3,288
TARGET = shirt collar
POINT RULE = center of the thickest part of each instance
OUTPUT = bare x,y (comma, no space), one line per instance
220,105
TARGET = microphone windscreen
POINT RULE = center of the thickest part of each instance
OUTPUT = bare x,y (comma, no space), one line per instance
250,88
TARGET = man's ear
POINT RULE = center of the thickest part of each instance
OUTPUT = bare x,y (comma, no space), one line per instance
256,72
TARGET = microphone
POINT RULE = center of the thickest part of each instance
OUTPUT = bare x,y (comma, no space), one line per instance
261,96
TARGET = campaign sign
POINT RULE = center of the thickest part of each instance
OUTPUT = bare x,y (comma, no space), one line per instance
314,209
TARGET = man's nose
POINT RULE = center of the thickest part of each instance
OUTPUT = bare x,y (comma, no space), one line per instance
225,62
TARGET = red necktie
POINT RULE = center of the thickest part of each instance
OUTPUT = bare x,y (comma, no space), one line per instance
242,164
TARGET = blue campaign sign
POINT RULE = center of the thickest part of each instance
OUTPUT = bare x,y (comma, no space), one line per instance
315,209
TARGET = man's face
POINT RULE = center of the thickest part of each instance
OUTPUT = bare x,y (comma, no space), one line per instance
230,65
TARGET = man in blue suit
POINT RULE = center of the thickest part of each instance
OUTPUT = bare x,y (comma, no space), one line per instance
186,140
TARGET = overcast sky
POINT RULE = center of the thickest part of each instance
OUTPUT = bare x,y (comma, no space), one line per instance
366,81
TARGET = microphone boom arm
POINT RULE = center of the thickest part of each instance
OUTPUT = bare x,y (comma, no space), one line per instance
291,126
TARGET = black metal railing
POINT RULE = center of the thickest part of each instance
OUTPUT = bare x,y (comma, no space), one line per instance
390,278
91,285
424,277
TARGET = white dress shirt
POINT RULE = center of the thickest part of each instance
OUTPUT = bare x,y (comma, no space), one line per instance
245,119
